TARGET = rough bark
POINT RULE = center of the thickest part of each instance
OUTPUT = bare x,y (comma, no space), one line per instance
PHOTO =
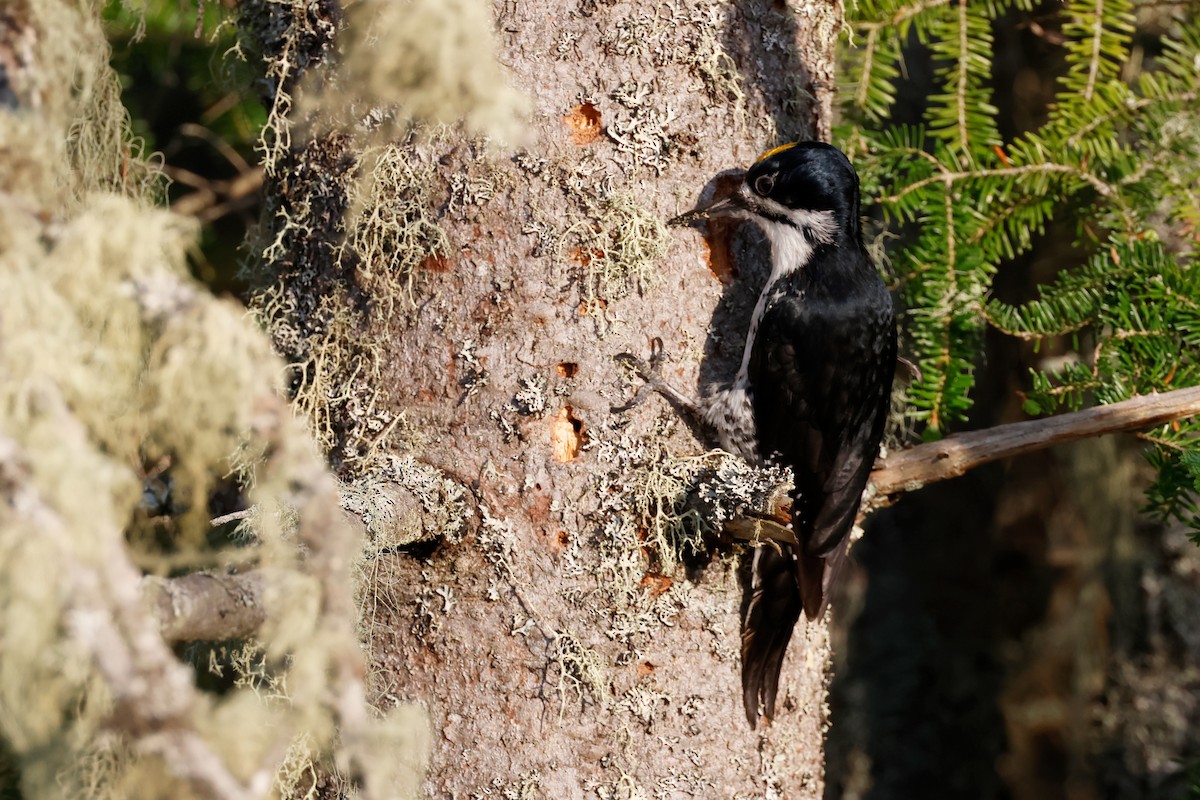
551,647
640,698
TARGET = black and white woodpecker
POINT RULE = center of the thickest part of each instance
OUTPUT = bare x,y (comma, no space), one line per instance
813,389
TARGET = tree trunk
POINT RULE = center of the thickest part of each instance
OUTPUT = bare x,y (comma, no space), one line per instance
471,300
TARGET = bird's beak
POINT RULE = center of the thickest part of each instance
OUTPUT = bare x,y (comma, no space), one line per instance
729,206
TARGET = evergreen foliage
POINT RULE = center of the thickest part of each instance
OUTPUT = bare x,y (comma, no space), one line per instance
1117,160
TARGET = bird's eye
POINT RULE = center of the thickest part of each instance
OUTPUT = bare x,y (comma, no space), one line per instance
763,184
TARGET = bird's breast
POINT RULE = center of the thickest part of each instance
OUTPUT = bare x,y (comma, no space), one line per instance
730,412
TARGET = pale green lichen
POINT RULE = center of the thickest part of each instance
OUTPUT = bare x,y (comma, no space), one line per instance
615,248
610,242
334,377
99,318
338,343
67,81
390,230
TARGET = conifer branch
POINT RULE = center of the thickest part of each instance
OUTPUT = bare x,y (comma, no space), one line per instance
901,15
948,177
1130,108
1115,158
864,85
924,464
962,81
1097,51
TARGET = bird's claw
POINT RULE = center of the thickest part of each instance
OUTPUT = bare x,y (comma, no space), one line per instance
647,370
759,532
907,371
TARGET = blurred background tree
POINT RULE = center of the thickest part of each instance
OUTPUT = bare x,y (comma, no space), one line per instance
157,490
191,98
1035,166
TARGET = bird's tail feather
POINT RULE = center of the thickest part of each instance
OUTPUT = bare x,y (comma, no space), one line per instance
771,604
811,577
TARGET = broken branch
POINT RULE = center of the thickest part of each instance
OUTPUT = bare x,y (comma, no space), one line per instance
906,470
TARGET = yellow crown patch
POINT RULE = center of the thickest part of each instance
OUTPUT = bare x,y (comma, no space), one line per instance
775,150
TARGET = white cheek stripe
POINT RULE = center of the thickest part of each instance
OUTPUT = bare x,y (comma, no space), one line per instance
791,249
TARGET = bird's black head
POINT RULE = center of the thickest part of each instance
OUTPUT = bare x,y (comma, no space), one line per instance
799,184
806,176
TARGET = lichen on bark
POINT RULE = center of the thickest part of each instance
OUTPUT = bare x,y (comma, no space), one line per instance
564,614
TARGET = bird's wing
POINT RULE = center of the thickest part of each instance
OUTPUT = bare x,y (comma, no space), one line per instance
821,374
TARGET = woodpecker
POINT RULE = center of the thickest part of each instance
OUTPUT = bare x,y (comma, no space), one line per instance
812,391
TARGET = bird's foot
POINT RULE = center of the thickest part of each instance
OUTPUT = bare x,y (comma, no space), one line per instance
648,371
907,371
759,532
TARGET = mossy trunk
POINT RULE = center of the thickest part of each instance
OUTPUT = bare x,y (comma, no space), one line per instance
453,309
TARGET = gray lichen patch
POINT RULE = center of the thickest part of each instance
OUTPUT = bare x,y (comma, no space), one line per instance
688,34
475,182
678,503
402,502
582,675
641,130
644,704
429,611
531,398
655,511
497,543
611,243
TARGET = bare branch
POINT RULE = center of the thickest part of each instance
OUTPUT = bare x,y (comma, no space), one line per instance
907,470
213,196
234,516
207,607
